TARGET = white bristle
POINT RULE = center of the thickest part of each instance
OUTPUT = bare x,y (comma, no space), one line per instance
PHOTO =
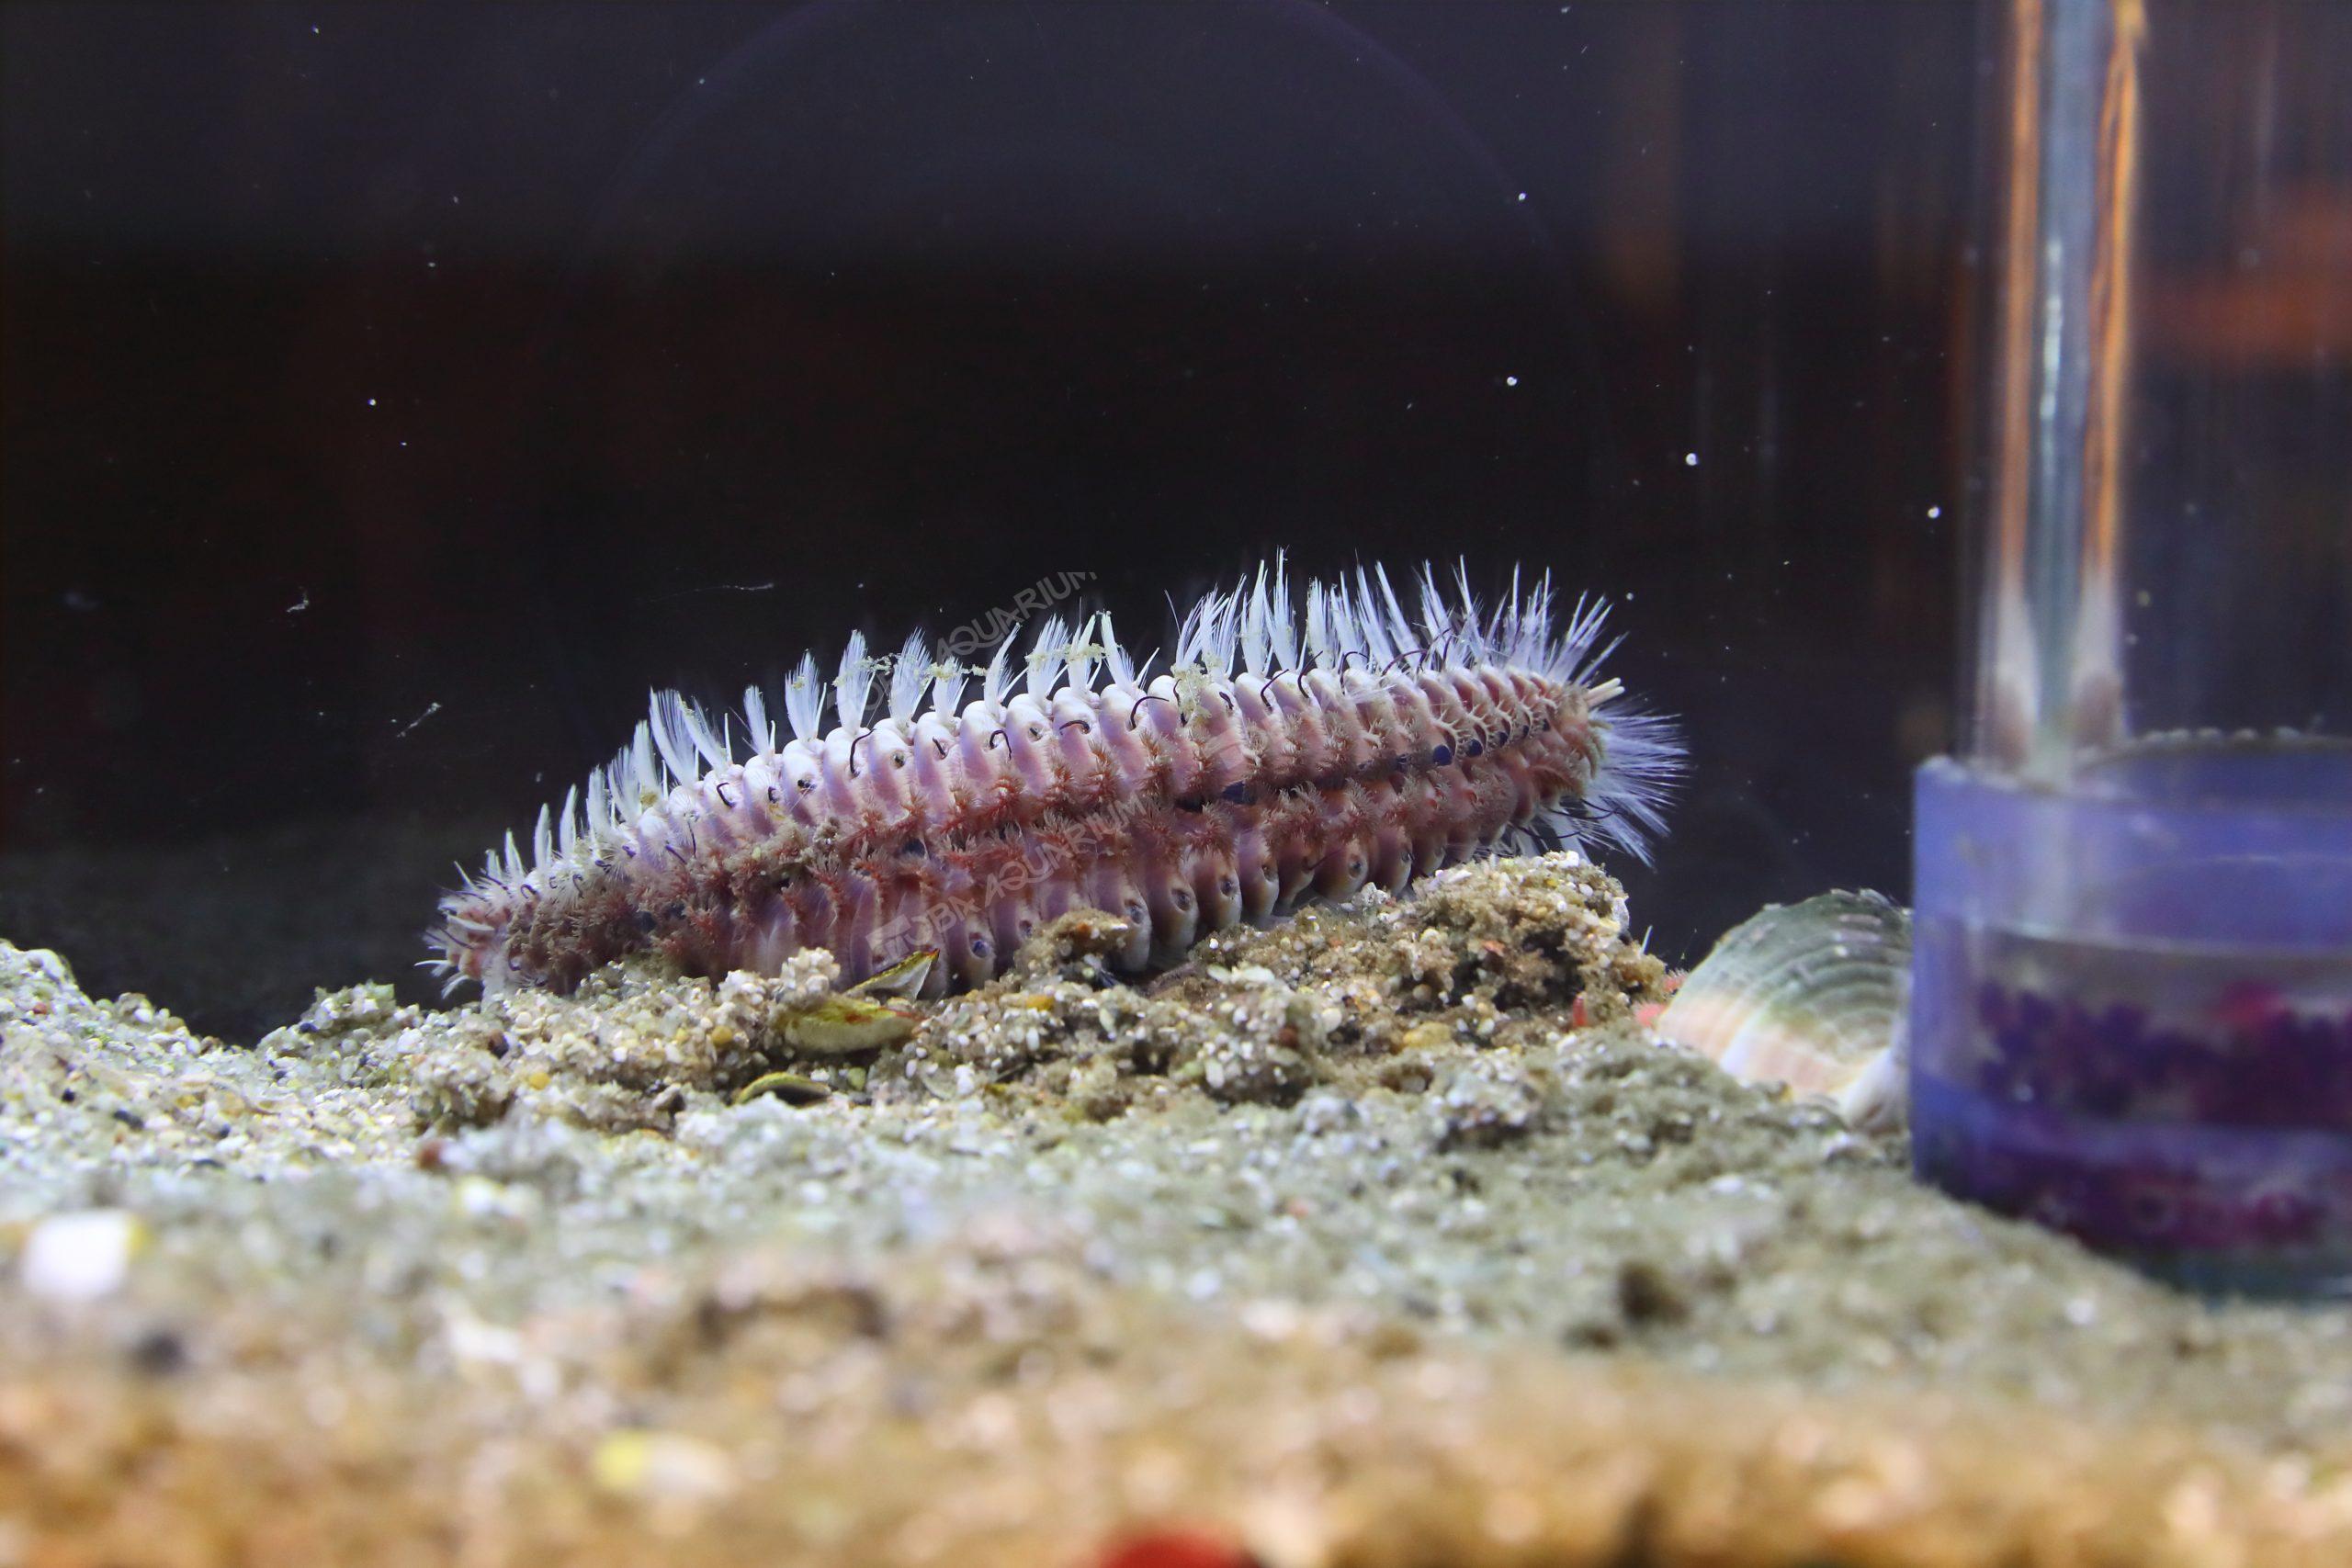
645,773
1282,626
1114,658
1046,653
1084,652
1257,633
757,724
804,700
1400,630
910,672
948,679
1346,638
670,738
1222,650
992,680
1467,625
1188,627
854,683
1321,645
716,752
1437,623
1372,623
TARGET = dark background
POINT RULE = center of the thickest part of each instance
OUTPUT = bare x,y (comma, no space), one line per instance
394,394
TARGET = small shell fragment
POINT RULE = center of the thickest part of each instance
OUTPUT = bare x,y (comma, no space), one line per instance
1811,994
843,1023
790,1087
867,1017
79,1257
904,979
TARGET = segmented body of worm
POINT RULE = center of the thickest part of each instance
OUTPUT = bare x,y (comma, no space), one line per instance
1280,757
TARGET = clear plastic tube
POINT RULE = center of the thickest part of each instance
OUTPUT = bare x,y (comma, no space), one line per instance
2132,1002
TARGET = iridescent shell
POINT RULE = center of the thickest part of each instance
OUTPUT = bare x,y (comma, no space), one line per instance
1810,995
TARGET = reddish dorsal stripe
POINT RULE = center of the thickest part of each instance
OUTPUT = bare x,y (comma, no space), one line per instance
1277,760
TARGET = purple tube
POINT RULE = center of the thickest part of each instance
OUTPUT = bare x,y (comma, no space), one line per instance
2131,1006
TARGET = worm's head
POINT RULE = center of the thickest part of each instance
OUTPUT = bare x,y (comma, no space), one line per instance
470,942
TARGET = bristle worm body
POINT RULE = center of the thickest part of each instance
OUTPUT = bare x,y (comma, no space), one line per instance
1279,758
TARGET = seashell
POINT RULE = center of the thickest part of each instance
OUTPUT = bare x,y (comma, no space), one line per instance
790,1087
842,1024
1811,994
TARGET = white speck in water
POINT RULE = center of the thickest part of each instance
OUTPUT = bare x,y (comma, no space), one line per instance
1522,195
371,402
1510,380
1689,459
1934,512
